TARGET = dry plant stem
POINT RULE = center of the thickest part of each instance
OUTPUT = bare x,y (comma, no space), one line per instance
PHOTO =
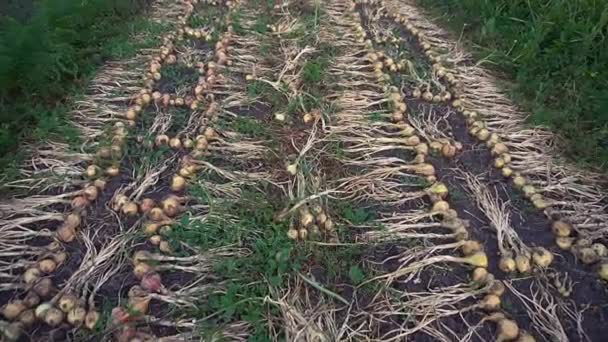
542,310
498,215
535,153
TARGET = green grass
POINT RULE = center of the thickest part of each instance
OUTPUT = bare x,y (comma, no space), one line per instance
47,60
555,53
273,260
248,280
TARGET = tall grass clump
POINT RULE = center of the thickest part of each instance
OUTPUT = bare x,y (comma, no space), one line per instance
48,49
555,52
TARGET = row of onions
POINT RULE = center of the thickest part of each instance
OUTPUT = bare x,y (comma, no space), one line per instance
522,259
42,301
587,251
160,215
473,254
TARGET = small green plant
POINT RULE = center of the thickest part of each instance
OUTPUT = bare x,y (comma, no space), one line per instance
354,215
356,275
250,127
375,117
177,76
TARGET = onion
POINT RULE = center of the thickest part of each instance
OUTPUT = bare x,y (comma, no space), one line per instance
171,206
507,172
329,225
92,171
119,316
497,288
175,143
188,143
178,183
522,263
424,169
507,264
11,331
526,337
201,143
99,184
91,319
66,234
528,190
542,257
27,317
600,249
507,330
448,151
499,149
603,271
157,214
279,116
561,228
165,247
479,259
13,309
422,148
42,309
292,234
131,114
306,218
321,218
53,317
587,255
76,316
43,287
427,96
412,140
292,168
164,230
130,209
139,304
490,302
564,242
539,202
483,134
471,247
67,302
479,275
47,265
152,282
460,233
210,134
150,228
79,202
72,221
155,239
440,207
439,189
161,140
141,269
519,181
146,205
302,233
31,299
112,171
307,118
31,275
